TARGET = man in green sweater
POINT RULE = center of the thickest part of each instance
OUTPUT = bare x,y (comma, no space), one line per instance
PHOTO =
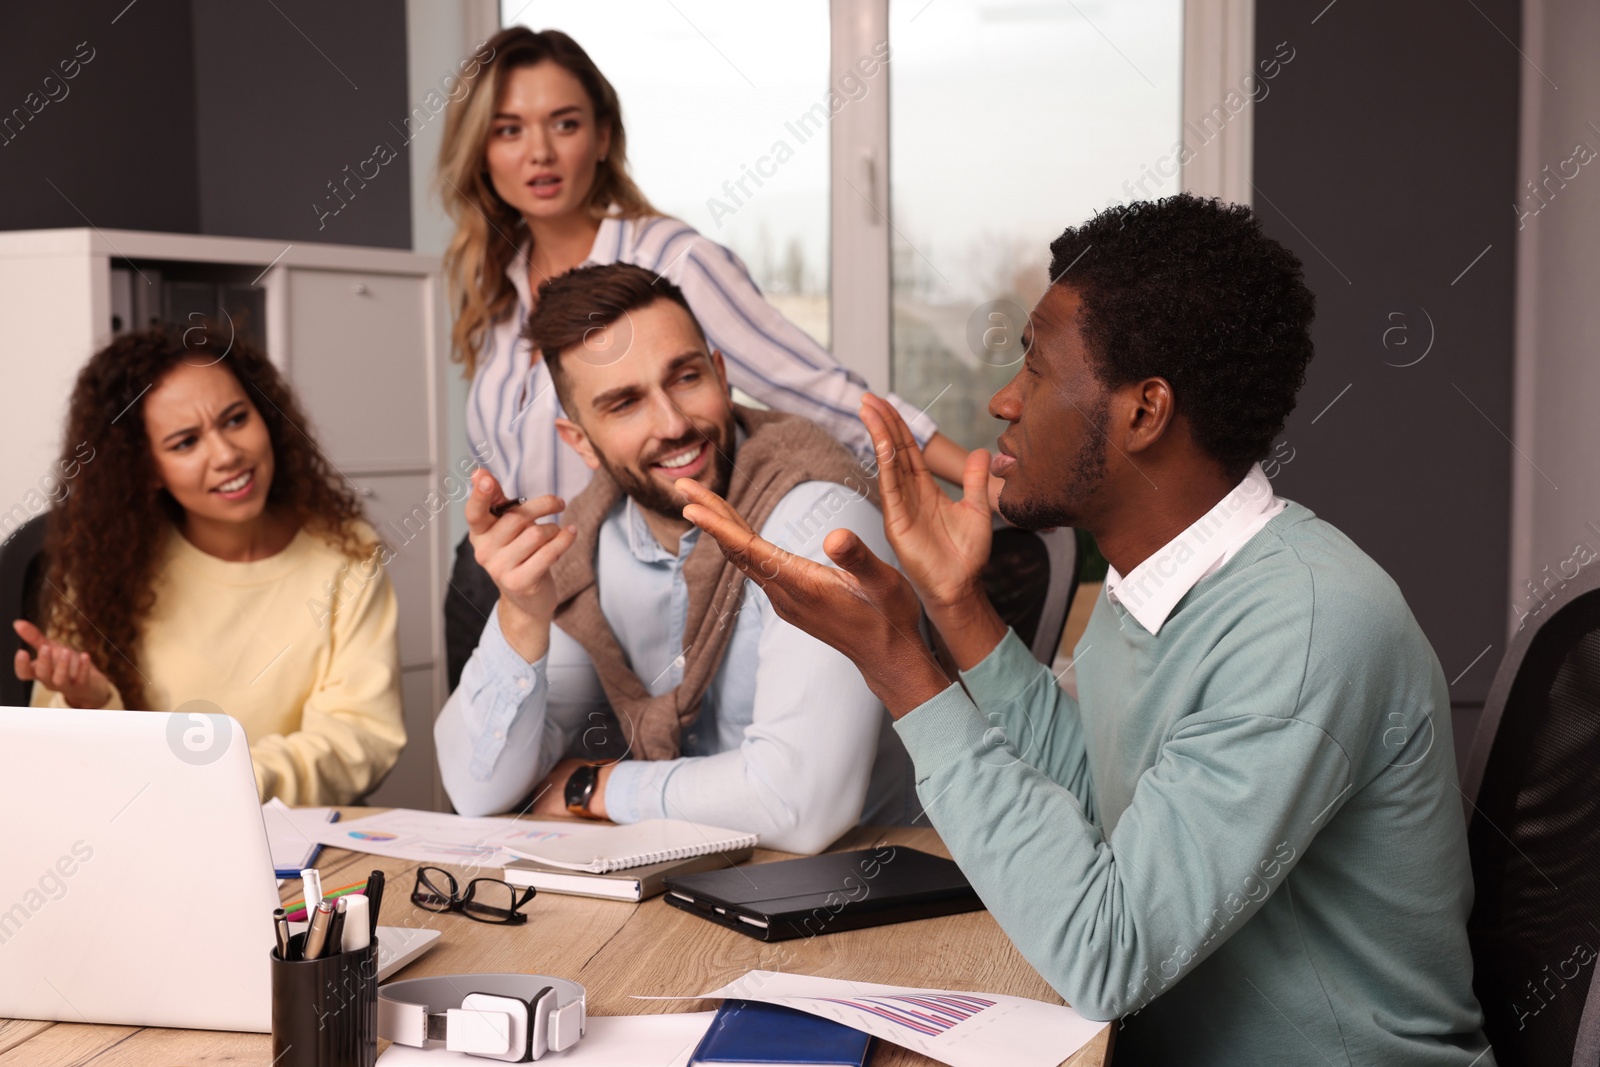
1244,836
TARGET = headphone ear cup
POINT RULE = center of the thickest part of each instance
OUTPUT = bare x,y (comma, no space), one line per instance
539,1015
471,1032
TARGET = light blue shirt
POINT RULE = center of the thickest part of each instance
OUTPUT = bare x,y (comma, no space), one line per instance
789,744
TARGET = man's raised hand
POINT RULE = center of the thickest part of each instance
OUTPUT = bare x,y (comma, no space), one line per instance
942,544
863,607
518,551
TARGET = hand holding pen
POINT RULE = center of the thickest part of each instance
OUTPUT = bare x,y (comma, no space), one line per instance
517,551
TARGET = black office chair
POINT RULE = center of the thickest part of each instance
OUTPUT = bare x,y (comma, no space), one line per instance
1533,830
1031,577
21,576
1587,1051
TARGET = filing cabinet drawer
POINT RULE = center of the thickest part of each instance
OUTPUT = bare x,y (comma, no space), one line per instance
398,507
358,358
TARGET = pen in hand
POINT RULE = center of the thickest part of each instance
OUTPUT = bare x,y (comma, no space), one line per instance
506,505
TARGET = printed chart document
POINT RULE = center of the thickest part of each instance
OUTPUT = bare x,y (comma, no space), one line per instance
954,1027
436,837
608,1041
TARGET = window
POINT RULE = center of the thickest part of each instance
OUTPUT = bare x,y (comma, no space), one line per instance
1007,121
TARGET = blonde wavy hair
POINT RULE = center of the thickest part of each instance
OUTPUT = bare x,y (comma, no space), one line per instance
488,230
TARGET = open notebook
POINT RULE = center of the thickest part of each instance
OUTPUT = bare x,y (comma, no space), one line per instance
652,841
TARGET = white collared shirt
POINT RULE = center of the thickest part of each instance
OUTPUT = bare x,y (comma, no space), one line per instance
1153,588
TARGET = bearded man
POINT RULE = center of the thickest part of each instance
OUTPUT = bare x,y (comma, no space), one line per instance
660,650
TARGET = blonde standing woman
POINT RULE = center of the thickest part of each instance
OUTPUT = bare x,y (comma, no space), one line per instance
534,172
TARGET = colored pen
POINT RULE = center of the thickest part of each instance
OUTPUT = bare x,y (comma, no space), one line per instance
374,901
317,935
506,505
280,923
297,908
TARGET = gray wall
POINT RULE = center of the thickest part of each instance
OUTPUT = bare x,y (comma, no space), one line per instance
119,141
290,94
204,117
1386,158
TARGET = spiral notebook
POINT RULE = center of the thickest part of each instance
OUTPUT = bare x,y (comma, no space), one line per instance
651,841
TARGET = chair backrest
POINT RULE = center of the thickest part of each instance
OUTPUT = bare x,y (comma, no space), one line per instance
1533,829
1031,577
21,575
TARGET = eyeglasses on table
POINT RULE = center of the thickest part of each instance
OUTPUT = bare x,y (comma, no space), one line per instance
487,900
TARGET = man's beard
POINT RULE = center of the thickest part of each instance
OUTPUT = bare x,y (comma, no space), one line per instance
1085,472
648,493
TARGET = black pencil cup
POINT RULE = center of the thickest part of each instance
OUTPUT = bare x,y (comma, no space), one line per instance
325,1011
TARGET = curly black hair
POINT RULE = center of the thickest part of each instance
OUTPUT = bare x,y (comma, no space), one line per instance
1189,289
103,540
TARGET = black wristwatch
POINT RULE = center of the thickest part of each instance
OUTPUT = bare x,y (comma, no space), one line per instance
580,790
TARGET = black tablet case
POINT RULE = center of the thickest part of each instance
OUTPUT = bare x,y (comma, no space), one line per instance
826,894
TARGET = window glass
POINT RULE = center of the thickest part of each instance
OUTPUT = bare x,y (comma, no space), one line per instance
1008,122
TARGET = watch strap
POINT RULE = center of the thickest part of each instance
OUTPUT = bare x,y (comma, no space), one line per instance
580,790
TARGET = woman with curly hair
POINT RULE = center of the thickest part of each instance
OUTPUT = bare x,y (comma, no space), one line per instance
209,553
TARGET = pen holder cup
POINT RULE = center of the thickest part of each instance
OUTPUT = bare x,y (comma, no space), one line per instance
325,1011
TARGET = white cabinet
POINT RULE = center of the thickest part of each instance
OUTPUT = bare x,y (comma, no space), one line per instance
360,332
415,775
358,341
397,506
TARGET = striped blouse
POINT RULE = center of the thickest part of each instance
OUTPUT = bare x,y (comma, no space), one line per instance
512,406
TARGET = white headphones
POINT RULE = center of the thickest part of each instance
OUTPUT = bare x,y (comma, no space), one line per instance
512,1017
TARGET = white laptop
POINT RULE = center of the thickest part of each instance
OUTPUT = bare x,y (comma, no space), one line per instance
136,884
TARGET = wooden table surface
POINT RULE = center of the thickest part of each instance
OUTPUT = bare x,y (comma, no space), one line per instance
616,950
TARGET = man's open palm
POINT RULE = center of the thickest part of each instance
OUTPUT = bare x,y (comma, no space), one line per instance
863,607
942,544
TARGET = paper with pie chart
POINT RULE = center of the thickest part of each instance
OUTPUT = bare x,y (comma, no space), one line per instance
959,1028
447,840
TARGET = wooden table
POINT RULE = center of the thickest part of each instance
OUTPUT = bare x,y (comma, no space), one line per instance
615,950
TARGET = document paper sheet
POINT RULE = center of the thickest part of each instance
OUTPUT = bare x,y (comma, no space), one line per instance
452,840
959,1028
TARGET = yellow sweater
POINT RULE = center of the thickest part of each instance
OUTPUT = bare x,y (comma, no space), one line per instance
313,678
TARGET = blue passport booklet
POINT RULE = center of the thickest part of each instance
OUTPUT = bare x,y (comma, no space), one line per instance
748,1033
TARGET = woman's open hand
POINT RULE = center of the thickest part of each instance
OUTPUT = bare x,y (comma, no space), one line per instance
55,666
